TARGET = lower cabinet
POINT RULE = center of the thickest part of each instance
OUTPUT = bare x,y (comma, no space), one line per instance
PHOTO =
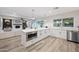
59,33
64,34
43,33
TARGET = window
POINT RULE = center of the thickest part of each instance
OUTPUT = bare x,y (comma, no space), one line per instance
37,23
68,22
57,23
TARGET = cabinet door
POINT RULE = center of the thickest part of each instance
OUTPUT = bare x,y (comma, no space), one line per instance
64,34
42,34
56,33
52,32
47,32
61,34
39,34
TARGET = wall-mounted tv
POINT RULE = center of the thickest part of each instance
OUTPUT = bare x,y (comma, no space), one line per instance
68,22
57,22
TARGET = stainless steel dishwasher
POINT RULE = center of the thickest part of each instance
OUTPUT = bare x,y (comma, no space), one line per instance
73,36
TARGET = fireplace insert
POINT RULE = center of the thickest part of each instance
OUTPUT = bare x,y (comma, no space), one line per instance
31,35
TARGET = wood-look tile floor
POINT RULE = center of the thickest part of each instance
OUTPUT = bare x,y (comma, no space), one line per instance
49,44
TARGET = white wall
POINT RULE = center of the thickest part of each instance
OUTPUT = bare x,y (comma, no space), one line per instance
74,14
49,20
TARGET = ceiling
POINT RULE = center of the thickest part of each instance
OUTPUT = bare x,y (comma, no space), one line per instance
30,12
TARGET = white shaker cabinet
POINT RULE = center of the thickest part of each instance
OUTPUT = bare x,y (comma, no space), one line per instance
43,33
58,33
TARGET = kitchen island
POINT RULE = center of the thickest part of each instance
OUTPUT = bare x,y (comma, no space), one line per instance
31,36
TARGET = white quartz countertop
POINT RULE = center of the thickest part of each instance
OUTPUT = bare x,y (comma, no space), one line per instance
32,30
